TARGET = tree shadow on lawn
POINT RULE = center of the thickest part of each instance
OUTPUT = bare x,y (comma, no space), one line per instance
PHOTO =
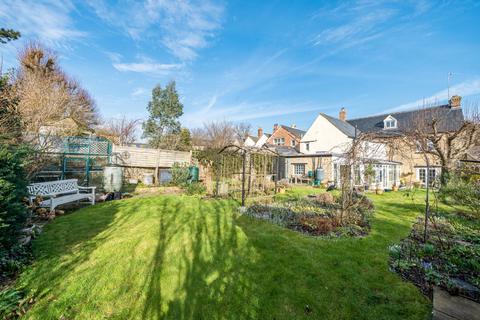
210,278
186,258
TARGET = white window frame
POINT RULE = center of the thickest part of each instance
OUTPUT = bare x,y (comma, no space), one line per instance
390,123
299,172
307,146
434,169
294,143
279,141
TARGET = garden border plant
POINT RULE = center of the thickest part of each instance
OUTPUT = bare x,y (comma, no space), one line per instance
450,256
319,215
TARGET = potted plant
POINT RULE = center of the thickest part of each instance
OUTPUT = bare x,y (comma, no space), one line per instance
379,189
394,187
369,174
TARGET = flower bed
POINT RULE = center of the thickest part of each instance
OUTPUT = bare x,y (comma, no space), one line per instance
319,215
449,259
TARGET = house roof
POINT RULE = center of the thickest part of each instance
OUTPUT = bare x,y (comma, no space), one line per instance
296,132
473,154
284,150
255,139
453,119
343,126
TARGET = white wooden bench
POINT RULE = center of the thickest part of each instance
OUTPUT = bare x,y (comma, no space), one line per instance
55,193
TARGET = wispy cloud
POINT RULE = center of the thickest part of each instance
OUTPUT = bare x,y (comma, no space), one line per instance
147,67
47,21
244,111
183,27
139,92
464,89
361,28
353,23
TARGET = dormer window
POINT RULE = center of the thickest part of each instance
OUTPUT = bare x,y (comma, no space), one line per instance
390,123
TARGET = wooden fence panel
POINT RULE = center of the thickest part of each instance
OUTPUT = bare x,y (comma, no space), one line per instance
149,158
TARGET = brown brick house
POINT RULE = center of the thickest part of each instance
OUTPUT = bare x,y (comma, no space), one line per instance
286,136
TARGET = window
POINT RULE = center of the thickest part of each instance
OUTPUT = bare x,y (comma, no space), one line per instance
307,146
299,169
390,123
279,141
293,143
429,147
432,175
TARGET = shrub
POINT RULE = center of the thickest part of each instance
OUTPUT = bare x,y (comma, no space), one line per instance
13,185
180,174
325,199
194,188
316,225
462,191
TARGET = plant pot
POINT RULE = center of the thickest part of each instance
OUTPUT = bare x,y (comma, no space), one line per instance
394,188
379,190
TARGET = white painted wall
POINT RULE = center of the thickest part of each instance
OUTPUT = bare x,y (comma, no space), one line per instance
261,141
324,136
249,142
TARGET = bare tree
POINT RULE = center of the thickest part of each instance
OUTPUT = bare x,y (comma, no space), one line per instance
46,94
436,136
219,134
242,131
120,131
50,103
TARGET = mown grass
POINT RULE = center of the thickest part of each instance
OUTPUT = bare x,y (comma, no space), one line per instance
178,257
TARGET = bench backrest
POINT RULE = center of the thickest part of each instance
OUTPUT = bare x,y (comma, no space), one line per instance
52,188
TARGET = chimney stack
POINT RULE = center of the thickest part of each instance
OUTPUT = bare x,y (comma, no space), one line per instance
293,125
275,127
260,132
455,101
342,115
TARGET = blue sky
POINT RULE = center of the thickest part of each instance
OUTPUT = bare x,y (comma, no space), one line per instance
261,62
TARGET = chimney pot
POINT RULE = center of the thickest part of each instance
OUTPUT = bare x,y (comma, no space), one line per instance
342,115
260,132
275,127
455,101
293,125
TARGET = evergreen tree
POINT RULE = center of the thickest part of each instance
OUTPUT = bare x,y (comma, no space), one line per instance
165,109
7,35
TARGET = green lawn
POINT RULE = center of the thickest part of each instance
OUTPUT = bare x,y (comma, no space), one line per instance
179,257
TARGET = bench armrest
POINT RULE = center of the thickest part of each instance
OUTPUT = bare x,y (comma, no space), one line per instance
91,189
85,188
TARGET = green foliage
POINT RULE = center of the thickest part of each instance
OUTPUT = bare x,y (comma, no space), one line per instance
165,109
180,174
13,212
185,140
194,188
462,191
10,303
369,173
13,260
7,35
452,252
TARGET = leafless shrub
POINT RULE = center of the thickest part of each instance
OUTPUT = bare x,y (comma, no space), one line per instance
219,134
120,131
